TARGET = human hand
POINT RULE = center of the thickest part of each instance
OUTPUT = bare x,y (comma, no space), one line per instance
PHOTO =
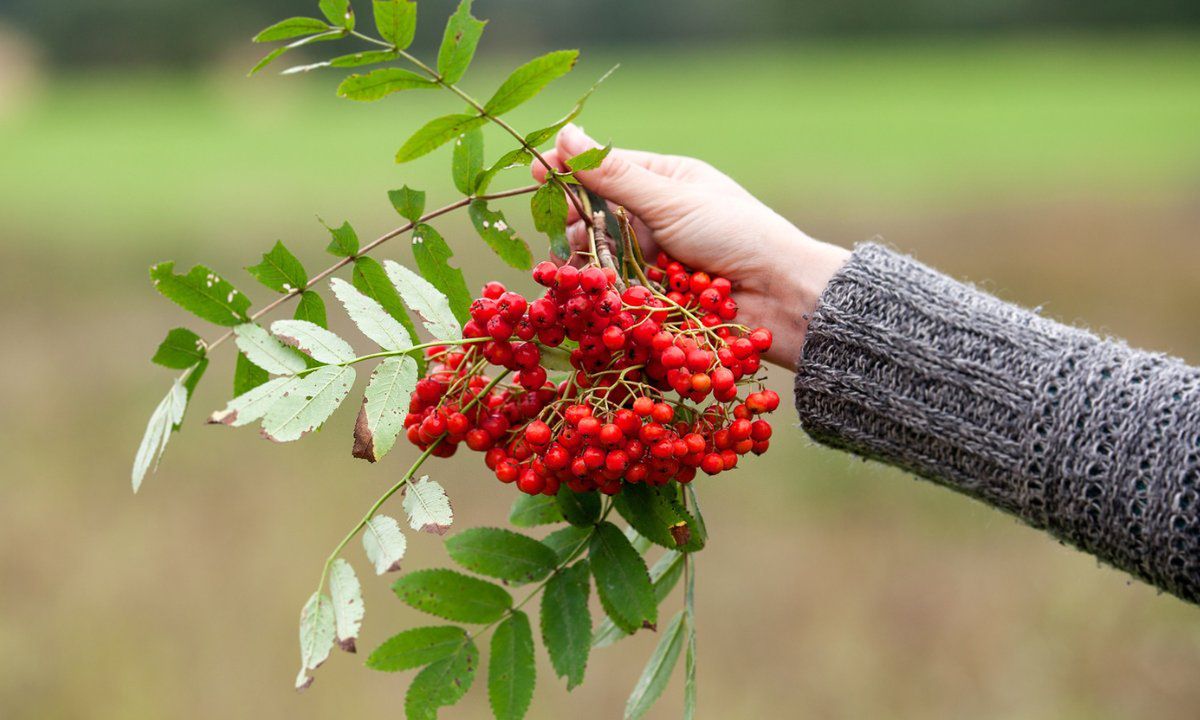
701,217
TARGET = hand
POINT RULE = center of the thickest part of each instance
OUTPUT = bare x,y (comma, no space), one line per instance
701,217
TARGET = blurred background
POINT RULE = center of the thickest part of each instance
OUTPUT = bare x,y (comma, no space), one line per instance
1049,150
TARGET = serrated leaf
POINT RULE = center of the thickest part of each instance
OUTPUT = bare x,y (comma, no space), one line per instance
453,596
316,636
277,52
433,260
371,280
436,133
165,417
565,542
370,317
420,295
534,510
385,403
665,575
512,159
384,543
247,375
419,646
290,28
267,352
500,237
309,404
396,21
338,12
582,509
367,57
657,671
589,159
539,137
502,554
346,596
566,623
428,506
511,670
280,270
253,404
458,43
313,340
311,308
467,160
180,350
529,79
622,581
658,515
442,683
409,203
381,83
202,293
549,209
344,242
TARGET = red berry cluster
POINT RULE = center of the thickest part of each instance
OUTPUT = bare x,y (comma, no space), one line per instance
620,415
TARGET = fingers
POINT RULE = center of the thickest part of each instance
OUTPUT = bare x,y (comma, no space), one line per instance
620,178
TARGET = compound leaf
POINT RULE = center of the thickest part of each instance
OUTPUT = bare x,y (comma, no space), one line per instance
442,683
502,554
657,671
371,280
534,510
307,405
253,404
313,340
385,403
467,160
384,543
658,515
417,647
202,293
408,202
420,295
370,317
180,350
280,270
580,509
344,242
267,352
290,28
589,159
311,308
396,21
511,670
622,581
346,595
428,506
502,239
566,623
435,133
529,79
316,636
433,259
453,596
380,83
549,209
458,43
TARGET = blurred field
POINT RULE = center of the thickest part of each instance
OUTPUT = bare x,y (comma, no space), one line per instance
1063,173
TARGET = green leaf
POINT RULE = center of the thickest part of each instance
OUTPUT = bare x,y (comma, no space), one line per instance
180,350
371,280
467,160
367,57
549,209
459,43
381,83
280,270
346,594
370,317
582,509
396,21
513,159
427,506
247,375
409,203
165,417
538,138
309,404
622,581
658,515
316,636
266,351
311,308
202,293
435,133
338,12
566,623
419,646
433,259
589,159
313,340
500,237
442,683
534,510
384,543
344,242
453,596
689,673
511,670
385,403
290,28
529,79
277,52
420,295
665,575
502,554
657,671
566,541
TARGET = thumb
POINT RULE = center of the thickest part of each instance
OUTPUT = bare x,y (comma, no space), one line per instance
618,179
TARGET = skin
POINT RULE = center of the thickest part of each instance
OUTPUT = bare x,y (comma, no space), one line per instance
704,219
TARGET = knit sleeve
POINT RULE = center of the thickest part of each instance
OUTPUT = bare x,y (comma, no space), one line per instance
1086,438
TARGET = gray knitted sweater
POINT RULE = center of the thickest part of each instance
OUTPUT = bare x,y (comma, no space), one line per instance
1086,438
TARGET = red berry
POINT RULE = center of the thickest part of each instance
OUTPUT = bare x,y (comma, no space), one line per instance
762,339
610,434
545,273
673,357
662,413
507,471
493,290
537,433
567,278
643,406
712,464
531,483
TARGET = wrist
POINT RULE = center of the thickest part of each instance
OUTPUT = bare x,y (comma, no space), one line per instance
799,273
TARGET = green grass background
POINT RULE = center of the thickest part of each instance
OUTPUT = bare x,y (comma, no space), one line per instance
1061,172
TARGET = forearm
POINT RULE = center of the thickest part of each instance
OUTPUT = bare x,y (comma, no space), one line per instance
1092,441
